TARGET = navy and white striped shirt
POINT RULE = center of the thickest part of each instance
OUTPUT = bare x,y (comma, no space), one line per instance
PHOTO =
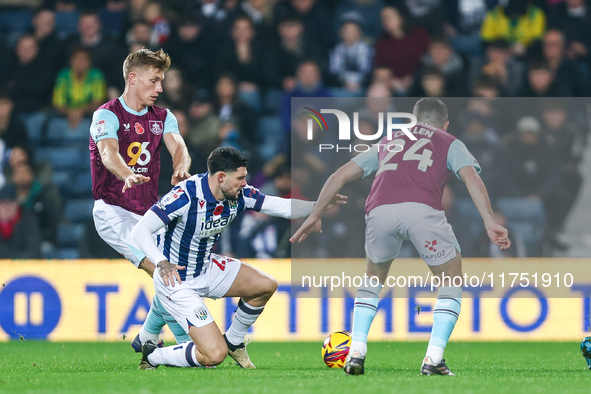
196,219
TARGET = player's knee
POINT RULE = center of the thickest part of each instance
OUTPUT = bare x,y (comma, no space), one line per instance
270,286
215,357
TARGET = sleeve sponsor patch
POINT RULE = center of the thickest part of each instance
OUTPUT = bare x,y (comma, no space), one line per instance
170,197
100,129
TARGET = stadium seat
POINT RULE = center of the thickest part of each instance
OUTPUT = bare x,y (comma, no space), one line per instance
63,254
14,23
35,124
272,101
527,218
62,159
269,131
81,186
63,181
68,235
251,99
59,132
78,211
66,23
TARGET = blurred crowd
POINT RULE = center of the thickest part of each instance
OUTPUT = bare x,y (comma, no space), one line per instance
236,65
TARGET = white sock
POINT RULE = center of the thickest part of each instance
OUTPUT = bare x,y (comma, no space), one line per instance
358,346
179,356
244,317
145,336
435,352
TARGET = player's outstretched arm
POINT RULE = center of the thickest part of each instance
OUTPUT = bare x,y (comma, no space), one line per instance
109,151
142,235
181,161
345,174
497,233
292,208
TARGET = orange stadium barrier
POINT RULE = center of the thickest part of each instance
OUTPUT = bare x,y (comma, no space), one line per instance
88,300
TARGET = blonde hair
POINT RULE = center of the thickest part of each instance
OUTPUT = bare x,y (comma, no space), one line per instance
145,58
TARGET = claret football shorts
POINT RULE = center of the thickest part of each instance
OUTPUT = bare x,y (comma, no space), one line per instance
426,227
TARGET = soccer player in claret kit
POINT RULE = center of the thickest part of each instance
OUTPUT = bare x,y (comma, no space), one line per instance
197,211
405,203
126,136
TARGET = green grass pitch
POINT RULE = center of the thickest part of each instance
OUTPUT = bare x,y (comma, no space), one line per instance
507,367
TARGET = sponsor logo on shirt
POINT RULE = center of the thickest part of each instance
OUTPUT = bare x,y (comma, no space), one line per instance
99,128
213,227
126,126
169,198
156,127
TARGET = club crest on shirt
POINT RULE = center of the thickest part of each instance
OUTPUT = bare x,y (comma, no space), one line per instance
156,127
138,128
201,313
233,204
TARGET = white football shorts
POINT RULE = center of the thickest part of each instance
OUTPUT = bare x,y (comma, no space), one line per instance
185,301
114,225
426,227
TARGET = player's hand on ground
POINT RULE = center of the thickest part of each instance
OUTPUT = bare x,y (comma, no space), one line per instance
339,199
135,179
306,228
499,235
169,272
179,176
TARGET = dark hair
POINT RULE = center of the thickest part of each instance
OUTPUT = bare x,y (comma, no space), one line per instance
431,110
225,159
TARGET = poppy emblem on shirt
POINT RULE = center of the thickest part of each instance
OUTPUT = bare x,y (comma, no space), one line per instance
218,210
138,128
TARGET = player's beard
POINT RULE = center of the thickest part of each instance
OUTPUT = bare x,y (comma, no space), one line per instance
229,196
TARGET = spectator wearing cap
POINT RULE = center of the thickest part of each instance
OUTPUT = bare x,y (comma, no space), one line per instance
367,10
351,59
19,231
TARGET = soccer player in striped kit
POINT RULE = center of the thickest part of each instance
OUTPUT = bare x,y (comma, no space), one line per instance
405,203
126,136
196,212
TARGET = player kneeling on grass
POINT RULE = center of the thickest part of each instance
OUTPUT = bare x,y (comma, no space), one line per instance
197,211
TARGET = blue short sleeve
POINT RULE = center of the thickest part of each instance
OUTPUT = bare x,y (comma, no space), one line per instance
104,125
171,124
458,157
368,160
